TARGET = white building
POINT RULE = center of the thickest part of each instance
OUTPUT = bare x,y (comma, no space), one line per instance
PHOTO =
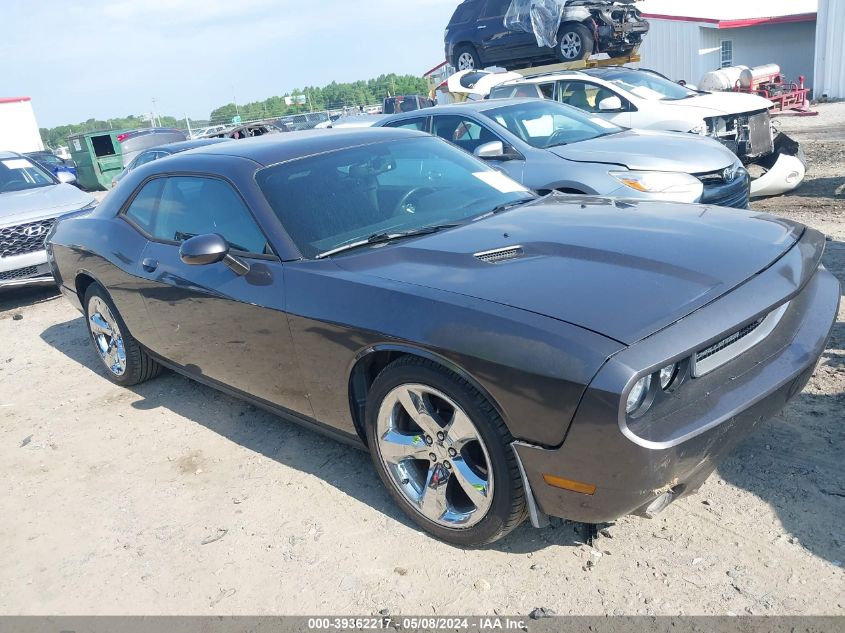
18,128
689,38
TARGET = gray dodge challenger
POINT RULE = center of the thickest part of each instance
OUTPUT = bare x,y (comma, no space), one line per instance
501,355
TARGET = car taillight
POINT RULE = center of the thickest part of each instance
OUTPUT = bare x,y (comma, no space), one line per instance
121,137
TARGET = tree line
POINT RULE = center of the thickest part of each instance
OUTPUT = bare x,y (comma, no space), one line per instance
333,96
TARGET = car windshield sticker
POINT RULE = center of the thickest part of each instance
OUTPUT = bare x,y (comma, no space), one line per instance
602,123
17,163
499,182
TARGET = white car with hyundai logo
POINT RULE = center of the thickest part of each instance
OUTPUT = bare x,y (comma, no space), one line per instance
31,199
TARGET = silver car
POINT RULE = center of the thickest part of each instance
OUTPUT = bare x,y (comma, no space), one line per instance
30,201
549,146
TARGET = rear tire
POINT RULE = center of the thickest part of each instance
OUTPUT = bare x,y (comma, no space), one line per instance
466,58
444,453
126,362
575,42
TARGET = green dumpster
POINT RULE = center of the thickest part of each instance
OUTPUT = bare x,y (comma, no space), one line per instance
98,157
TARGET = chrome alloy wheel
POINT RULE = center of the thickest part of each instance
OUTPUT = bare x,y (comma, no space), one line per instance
465,61
570,46
435,456
107,337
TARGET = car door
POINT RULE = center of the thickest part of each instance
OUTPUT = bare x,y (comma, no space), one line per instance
587,96
212,321
468,134
498,43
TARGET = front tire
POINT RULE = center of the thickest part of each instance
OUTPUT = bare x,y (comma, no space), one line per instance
126,362
466,58
575,43
444,453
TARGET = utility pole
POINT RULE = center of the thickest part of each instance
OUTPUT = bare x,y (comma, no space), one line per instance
154,114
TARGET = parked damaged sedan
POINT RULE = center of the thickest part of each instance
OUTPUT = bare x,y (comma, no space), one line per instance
553,147
500,354
643,99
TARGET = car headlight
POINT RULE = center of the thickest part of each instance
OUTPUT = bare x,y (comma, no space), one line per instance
668,182
667,375
637,395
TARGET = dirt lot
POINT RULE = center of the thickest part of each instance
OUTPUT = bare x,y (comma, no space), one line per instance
172,498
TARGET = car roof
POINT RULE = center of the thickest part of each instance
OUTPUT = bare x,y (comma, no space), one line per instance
183,146
9,155
466,106
276,148
551,76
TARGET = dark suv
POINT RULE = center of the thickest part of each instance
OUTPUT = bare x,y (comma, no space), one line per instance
477,36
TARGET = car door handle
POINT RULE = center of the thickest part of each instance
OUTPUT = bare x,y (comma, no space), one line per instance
482,26
149,265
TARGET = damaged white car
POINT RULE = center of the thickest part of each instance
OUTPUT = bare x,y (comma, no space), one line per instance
643,99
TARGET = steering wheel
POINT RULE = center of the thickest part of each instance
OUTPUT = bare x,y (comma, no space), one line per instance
405,205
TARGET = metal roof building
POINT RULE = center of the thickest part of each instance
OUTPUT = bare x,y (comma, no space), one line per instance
690,38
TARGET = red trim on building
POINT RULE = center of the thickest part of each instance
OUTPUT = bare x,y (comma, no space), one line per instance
678,18
783,19
13,99
735,24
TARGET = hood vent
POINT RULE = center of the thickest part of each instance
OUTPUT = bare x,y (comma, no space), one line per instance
499,255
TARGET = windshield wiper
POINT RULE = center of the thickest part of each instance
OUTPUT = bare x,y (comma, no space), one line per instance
383,238
507,205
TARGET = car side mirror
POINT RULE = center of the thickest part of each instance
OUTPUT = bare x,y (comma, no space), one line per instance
610,104
204,249
494,150
65,177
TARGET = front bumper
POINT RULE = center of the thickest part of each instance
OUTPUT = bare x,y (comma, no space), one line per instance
30,269
631,468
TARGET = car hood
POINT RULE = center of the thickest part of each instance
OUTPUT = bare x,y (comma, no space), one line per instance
623,269
17,207
721,103
655,151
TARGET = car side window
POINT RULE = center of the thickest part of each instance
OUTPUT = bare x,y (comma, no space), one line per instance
180,207
548,90
583,95
193,205
146,157
495,8
409,124
464,133
142,208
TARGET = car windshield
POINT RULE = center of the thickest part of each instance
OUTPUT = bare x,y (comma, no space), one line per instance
648,85
339,198
47,159
18,173
548,124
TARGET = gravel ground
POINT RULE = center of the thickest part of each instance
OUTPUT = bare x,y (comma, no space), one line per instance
171,498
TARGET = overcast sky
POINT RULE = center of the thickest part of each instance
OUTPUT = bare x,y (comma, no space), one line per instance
79,59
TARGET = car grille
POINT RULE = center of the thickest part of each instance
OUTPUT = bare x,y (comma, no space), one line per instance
20,273
735,344
725,193
24,238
